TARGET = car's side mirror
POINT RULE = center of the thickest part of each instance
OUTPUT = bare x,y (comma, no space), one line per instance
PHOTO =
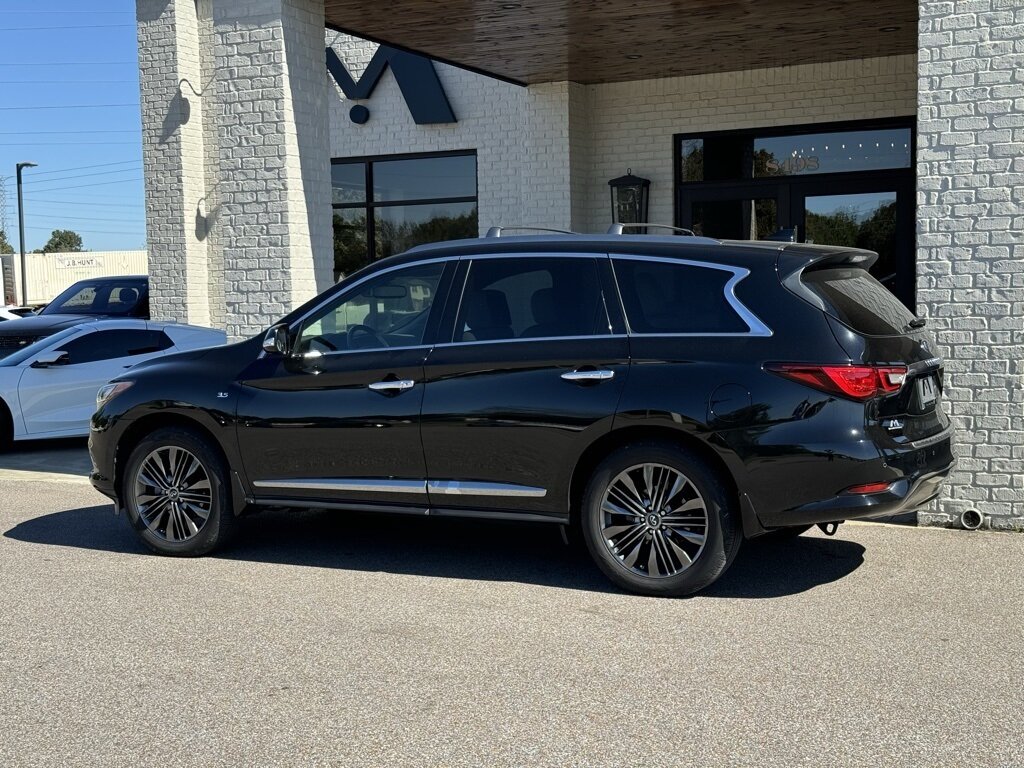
50,359
276,342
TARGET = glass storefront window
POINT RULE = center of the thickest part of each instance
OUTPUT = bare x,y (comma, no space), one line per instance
424,178
859,221
401,227
740,156
832,152
388,205
348,183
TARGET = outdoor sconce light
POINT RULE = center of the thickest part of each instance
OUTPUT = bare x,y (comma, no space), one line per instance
629,198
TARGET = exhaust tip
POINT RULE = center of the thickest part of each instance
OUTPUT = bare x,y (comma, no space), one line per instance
972,520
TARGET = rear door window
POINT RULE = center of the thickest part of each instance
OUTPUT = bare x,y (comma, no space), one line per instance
531,298
665,298
855,298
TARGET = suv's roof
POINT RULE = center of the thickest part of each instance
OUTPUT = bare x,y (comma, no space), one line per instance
748,253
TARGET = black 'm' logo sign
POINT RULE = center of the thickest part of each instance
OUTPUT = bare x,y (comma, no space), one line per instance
416,78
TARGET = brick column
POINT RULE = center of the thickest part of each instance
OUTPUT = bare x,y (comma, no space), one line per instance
970,242
172,152
274,218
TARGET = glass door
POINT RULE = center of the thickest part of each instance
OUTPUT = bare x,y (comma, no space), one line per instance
876,215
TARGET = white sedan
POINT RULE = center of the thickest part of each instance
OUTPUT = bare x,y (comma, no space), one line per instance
48,388
14,313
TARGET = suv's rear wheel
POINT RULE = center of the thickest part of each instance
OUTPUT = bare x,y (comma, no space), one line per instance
176,493
657,521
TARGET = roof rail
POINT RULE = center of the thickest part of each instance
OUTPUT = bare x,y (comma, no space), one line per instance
496,231
616,229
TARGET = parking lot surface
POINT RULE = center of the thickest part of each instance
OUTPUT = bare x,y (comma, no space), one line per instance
325,638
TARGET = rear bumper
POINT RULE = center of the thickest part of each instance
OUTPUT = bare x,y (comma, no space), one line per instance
916,475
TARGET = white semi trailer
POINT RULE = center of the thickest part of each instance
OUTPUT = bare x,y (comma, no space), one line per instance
51,273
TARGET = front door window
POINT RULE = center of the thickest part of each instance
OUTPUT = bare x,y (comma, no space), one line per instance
740,219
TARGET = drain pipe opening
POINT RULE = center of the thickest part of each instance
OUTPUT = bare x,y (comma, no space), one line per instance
971,519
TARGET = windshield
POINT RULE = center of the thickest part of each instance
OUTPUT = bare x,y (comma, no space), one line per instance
37,346
117,296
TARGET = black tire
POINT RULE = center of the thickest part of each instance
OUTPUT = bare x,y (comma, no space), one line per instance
6,428
220,522
722,535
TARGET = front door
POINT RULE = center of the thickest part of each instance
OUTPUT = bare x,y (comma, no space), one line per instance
535,362
59,399
338,420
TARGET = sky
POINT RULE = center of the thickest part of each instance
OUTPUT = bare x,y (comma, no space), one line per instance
69,101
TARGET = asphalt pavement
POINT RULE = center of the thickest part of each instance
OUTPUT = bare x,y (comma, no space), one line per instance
327,638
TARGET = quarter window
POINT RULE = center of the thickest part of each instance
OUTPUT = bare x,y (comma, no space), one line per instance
530,298
660,297
390,310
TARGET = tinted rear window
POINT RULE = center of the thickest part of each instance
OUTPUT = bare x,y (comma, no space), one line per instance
676,298
859,300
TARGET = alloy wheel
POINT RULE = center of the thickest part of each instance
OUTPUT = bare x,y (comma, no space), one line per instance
173,493
654,521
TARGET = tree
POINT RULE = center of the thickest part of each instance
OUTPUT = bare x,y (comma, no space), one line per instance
5,247
62,241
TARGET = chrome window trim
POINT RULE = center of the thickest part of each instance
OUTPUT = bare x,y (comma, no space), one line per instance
756,327
472,488
372,485
363,484
537,338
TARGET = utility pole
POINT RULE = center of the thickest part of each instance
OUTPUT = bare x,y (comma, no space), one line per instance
21,231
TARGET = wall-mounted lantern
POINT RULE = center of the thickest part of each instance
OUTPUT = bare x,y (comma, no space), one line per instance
629,198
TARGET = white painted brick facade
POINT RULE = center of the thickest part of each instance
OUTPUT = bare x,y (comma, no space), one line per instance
235,147
970,241
546,153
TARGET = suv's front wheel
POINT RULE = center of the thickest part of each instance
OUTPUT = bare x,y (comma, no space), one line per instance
175,490
657,521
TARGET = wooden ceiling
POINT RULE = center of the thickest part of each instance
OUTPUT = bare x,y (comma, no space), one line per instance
601,41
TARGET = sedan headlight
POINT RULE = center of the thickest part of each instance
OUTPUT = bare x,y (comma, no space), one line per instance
109,391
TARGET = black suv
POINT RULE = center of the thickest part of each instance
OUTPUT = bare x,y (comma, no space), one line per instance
667,395
86,301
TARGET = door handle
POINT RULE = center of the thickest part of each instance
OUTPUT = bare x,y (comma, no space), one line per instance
395,385
586,376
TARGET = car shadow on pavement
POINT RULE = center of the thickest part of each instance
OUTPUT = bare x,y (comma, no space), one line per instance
63,456
462,549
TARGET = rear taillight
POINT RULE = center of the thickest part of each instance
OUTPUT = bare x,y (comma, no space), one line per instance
868,488
859,382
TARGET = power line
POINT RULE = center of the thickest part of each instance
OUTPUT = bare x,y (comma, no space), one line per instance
63,82
89,203
72,26
67,143
61,217
84,167
63,13
93,231
97,173
70,106
68,64
94,184
36,133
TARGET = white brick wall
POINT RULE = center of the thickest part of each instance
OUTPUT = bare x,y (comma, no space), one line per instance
546,152
970,241
234,106
632,124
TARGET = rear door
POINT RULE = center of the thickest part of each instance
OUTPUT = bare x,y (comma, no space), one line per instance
530,373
